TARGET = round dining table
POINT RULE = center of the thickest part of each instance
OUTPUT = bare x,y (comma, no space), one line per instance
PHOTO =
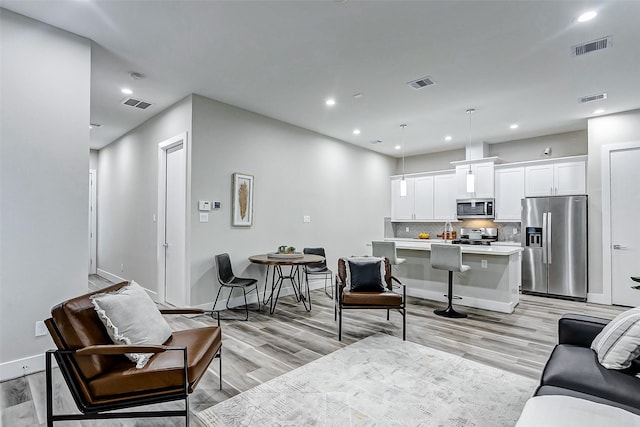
294,261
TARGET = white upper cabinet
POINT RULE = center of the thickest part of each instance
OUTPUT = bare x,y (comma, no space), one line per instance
444,200
509,193
430,197
483,173
423,197
556,179
401,207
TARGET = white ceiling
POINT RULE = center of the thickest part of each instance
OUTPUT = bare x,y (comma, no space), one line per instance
510,60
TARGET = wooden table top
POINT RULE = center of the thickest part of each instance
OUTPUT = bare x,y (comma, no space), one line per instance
306,259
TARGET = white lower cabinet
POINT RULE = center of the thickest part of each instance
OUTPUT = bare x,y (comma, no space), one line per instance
509,193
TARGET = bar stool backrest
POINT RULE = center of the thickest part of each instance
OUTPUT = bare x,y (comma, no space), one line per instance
382,249
446,257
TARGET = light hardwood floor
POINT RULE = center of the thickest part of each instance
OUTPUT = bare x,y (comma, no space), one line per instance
267,346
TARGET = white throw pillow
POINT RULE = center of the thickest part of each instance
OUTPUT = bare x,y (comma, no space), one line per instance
132,318
618,344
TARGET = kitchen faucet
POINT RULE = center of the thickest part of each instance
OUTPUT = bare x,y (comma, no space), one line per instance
448,231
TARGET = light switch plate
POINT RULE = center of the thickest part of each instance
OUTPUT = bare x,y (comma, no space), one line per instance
204,217
306,218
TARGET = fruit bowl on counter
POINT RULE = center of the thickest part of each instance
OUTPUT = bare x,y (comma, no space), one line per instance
424,236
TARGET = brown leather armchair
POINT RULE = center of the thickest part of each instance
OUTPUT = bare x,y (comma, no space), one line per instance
388,299
102,379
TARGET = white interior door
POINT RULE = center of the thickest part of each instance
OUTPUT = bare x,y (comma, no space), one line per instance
92,222
175,226
625,233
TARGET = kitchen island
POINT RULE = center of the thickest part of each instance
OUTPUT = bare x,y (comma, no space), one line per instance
493,282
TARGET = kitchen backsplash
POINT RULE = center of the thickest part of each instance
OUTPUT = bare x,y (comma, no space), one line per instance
399,229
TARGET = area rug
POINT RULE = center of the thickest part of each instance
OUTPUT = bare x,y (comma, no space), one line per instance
380,381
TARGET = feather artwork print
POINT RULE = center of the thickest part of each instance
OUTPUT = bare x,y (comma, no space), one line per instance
243,199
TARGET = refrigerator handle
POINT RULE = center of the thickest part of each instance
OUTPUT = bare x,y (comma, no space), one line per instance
544,237
549,235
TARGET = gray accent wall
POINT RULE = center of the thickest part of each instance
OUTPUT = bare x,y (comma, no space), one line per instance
93,159
611,129
45,85
343,188
128,197
562,145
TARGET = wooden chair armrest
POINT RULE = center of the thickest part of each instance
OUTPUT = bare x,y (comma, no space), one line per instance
121,349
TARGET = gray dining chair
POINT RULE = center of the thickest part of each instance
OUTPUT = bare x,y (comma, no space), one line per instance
448,257
227,279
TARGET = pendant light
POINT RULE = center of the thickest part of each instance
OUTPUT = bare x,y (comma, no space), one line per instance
403,181
471,179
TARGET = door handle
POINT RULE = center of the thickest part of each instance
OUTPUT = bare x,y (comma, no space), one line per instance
549,235
619,247
166,245
544,238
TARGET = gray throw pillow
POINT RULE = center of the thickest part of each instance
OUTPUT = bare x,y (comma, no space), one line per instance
365,275
132,318
618,344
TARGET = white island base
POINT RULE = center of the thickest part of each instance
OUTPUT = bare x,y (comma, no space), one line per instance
493,282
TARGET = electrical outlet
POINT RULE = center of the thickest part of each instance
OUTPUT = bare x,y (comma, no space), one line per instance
406,229
483,263
41,329
306,218
121,268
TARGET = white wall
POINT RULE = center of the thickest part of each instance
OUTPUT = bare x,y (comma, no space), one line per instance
44,131
345,190
128,194
430,162
615,128
93,159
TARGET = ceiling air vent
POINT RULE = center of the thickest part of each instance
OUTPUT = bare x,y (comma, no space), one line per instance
420,83
592,46
132,102
591,98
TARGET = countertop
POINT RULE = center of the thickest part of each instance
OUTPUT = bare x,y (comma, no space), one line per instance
500,249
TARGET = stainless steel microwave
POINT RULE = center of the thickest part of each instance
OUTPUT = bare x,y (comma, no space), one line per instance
475,208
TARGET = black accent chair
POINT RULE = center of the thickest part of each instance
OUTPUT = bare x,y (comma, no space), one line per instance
318,269
226,278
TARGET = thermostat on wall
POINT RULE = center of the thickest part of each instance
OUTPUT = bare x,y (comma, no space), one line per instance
204,205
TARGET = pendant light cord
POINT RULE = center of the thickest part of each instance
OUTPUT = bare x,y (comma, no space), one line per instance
403,126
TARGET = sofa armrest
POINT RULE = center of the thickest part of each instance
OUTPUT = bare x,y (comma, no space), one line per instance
580,330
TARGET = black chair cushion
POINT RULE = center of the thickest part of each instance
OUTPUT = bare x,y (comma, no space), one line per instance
365,276
315,269
577,368
241,282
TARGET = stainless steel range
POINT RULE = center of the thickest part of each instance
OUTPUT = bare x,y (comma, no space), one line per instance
477,236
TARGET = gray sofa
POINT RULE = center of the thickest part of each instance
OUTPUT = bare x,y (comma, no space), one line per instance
573,368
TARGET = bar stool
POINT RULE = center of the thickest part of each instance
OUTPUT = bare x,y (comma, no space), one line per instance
448,257
384,249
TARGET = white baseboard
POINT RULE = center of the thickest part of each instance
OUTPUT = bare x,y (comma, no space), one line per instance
25,366
502,307
598,299
110,276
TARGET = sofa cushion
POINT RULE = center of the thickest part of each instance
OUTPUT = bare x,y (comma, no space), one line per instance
577,368
618,344
549,390
202,345
131,317
366,274
557,411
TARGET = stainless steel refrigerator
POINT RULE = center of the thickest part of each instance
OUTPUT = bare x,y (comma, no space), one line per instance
554,239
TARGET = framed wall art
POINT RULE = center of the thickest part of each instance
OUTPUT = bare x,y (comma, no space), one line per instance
242,197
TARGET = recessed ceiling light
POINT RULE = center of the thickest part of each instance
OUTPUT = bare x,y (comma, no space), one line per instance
356,131
126,91
448,138
330,102
397,147
514,126
598,111
587,16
